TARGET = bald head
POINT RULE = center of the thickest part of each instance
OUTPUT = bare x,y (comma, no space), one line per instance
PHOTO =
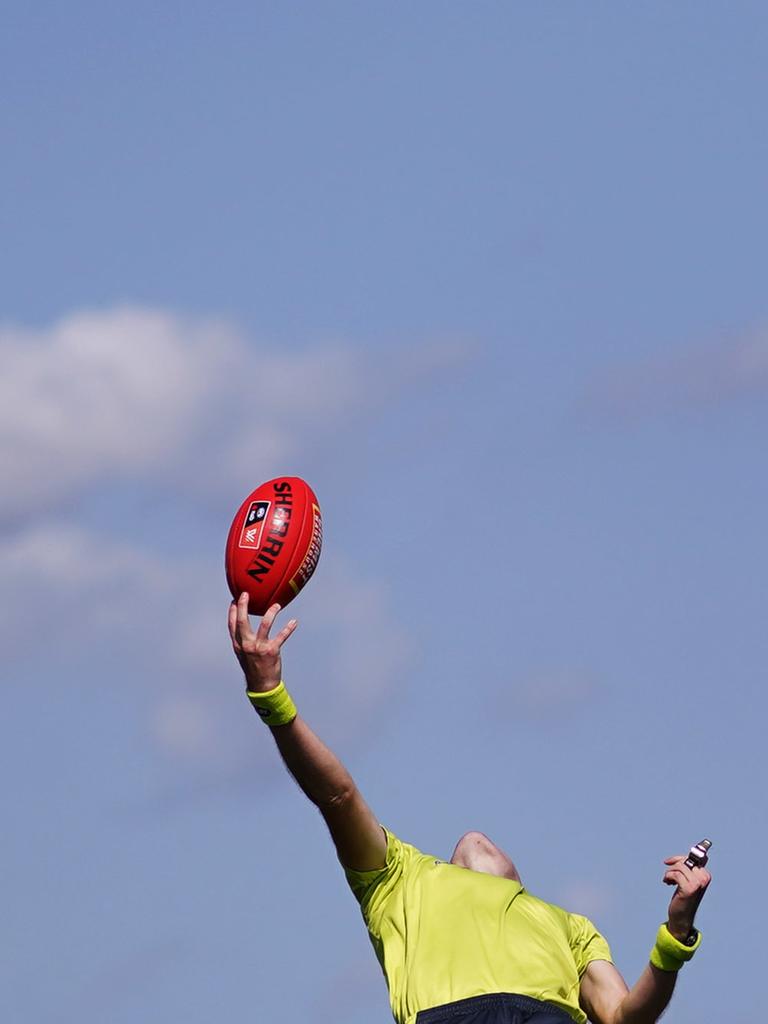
476,852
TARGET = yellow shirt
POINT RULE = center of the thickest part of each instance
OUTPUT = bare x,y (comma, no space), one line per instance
442,933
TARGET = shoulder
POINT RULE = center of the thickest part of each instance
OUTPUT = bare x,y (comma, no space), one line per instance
580,927
401,860
587,943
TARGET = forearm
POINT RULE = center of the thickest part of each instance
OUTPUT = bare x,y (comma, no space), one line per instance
359,839
648,998
317,770
604,993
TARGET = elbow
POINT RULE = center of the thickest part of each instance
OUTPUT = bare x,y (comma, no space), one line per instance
336,800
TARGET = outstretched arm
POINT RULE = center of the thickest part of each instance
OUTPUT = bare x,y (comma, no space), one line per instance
359,839
604,993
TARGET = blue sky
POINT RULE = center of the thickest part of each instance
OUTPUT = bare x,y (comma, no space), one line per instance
491,277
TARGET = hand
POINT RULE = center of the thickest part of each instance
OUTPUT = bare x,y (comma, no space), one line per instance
691,885
259,656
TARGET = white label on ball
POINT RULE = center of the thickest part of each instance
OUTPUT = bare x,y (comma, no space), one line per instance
253,527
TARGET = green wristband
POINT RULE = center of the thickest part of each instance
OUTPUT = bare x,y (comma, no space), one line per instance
274,707
669,954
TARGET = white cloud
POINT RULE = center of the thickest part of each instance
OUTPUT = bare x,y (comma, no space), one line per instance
148,399
731,371
344,659
88,604
549,694
61,580
101,394
133,394
594,900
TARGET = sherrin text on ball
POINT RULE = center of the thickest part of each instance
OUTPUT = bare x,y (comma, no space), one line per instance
274,543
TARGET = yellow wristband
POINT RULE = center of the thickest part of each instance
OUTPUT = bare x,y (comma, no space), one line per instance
274,707
668,954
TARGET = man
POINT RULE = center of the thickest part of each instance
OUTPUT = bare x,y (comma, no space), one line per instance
462,941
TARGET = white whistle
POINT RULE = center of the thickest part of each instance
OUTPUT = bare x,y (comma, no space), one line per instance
698,854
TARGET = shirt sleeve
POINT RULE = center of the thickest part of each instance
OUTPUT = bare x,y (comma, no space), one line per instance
373,888
586,943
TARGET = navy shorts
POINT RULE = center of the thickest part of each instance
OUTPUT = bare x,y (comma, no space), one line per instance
499,1008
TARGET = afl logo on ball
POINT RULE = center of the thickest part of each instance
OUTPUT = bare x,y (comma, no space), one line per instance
250,535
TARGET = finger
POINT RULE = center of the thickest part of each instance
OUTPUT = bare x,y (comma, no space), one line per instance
700,878
266,623
284,633
689,880
244,630
232,622
682,864
676,876
680,883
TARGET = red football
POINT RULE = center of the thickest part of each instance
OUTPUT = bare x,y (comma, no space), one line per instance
274,543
